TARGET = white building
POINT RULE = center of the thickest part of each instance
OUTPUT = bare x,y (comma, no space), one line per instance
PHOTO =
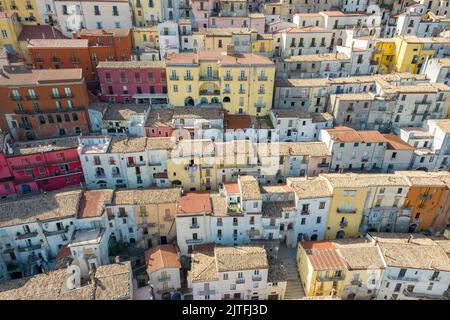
312,197
354,150
163,269
168,37
300,41
438,70
416,267
298,126
33,228
47,11
118,162
242,273
93,14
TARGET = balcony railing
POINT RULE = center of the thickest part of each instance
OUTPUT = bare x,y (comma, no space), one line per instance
32,97
135,164
15,98
304,212
174,77
256,277
262,78
194,226
323,165
406,279
30,248
230,78
27,235
194,241
339,210
214,77
188,78
240,280
209,93
356,282
242,78
330,278
102,175
271,227
164,278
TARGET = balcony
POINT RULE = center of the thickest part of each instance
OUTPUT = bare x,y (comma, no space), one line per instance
230,78
262,78
194,226
305,212
234,208
271,227
261,91
242,78
56,232
253,233
154,163
209,93
32,97
100,176
420,296
135,164
188,78
256,277
164,278
194,241
356,282
209,78
172,77
260,105
406,279
240,280
30,248
207,292
15,98
27,235
323,165
29,7
339,210
13,7
331,278
423,102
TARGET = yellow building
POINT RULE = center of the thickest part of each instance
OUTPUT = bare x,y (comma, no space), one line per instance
198,165
10,29
406,53
147,12
154,211
248,39
27,10
347,269
346,206
192,165
145,37
241,84
322,271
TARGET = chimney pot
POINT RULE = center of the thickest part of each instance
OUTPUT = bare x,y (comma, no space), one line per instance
74,35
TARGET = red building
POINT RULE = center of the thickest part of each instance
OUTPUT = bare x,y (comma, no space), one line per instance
85,53
44,165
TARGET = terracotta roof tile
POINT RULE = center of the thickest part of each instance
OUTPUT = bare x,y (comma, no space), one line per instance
162,257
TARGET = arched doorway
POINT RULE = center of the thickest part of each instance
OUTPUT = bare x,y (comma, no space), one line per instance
314,237
215,100
176,183
203,100
226,99
422,169
340,234
189,102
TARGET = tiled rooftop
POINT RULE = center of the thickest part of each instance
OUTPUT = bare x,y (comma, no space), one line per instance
249,187
162,257
146,196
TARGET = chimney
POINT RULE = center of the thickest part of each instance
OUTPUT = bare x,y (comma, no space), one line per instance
74,35
230,50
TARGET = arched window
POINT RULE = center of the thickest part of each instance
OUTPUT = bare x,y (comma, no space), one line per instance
226,99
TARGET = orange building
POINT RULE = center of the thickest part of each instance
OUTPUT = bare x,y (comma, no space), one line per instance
120,39
428,198
85,53
43,103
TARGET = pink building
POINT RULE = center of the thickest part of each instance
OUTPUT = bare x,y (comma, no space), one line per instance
159,123
133,81
201,10
253,20
6,178
44,164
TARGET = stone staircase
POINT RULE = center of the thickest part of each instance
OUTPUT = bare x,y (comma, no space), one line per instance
294,288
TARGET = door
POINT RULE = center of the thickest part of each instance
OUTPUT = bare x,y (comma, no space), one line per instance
163,240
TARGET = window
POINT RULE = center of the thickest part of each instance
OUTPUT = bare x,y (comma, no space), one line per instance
4,34
225,276
321,205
